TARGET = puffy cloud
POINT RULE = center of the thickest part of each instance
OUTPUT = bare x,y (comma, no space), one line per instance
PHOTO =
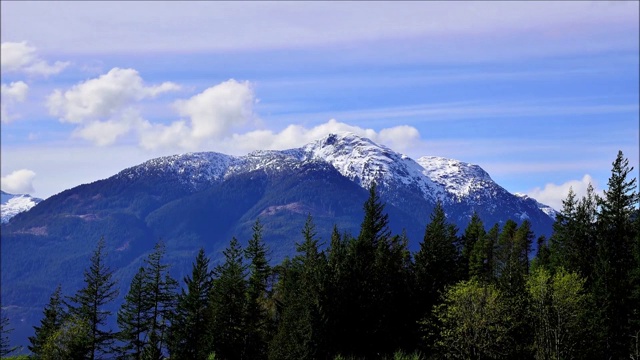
103,107
20,57
18,182
553,194
9,94
103,97
212,115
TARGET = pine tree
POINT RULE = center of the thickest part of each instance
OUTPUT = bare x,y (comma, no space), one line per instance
338,294
89,303
436,263
5,330
228,304
482,262
616,235
188,329
473,234
300,333
257,327
54,314
133,318
160,288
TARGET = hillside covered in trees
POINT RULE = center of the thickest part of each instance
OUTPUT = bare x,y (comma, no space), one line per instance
473,293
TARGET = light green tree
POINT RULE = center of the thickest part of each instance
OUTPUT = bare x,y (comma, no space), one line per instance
474,322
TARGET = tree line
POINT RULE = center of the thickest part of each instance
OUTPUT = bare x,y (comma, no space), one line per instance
477,295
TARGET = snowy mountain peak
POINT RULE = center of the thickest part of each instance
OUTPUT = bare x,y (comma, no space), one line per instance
364,162
11,205
458,178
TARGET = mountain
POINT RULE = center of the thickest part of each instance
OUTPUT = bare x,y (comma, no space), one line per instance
11,205
203,199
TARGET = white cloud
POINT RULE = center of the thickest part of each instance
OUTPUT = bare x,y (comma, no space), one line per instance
295,136
9,94
103,97
20,57
218,109
553,194
212,115
103,107
19,182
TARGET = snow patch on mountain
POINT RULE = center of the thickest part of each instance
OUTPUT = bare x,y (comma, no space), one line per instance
460,179
11,205
364,162
551,212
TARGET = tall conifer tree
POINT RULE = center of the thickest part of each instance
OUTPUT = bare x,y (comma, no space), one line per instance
90,303
188,332
616,235
257,327
228,304
54,314
133,318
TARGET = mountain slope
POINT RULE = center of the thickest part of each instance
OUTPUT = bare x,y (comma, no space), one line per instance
203,199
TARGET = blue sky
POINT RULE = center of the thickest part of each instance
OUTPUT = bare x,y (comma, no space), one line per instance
542,95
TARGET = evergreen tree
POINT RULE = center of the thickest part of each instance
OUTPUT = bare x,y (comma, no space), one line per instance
228,303
300,332
188,329
133,318
482,261
436,263
616,235
5,330
89,304
256,323
512,260
543,256
473,234
160,289
337,293
436,267
54,315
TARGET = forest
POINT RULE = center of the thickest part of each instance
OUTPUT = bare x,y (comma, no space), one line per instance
473,293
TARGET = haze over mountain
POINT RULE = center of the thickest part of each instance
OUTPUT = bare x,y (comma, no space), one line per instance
203,199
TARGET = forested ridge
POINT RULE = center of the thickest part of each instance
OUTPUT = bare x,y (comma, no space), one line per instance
473,293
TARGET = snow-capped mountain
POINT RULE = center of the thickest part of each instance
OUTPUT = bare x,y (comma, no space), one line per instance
11,205
202,200
398,177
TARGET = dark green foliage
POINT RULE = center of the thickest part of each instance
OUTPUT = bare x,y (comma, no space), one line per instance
482,261
54,314
188,332
89,303
133,318
614,258
160,290
473,234
436,264
257,322
228,303
301,332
